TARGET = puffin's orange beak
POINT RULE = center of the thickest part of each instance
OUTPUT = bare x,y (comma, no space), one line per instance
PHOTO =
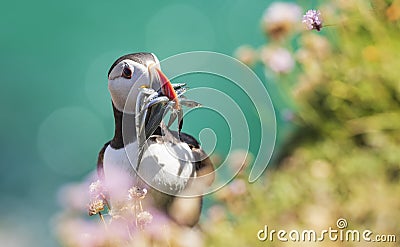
166,88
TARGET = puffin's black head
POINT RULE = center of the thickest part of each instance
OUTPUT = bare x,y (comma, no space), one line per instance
131,72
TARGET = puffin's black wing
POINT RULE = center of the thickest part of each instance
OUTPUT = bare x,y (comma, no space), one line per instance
100,158
204,166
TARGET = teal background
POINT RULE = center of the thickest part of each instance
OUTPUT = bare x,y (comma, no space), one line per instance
55,108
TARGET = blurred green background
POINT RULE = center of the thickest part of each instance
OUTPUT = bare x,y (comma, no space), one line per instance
337,152
55,107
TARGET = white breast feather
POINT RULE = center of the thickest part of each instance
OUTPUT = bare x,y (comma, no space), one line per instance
165,166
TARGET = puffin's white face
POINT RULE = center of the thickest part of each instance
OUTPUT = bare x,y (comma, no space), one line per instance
126,78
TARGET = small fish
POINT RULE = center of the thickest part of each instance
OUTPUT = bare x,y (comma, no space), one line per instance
190,103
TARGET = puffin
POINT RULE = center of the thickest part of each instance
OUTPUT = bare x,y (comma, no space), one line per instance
170,165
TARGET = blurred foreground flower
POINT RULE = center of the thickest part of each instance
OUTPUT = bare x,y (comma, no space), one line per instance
239,160
313,20
246,54
393,12
129,206
314,48
144,218
280,19
130,221
95,207
278,59
96,189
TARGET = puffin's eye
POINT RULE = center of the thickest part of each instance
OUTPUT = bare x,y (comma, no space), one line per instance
127,72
